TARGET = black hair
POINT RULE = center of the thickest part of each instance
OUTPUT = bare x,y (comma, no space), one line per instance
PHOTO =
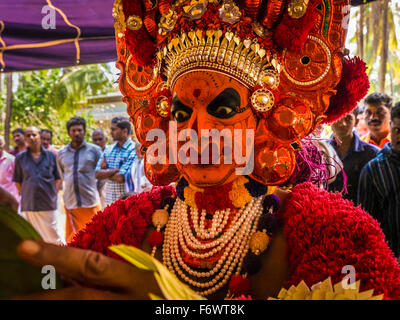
378,98
19,130
76,121
123,123
395,112
48,131
358,110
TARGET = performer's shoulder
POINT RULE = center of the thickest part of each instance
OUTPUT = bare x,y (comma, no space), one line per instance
313,210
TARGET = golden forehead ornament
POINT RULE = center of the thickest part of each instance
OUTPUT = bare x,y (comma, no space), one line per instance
288,53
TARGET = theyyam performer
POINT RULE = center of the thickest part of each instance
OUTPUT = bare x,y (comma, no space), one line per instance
276,68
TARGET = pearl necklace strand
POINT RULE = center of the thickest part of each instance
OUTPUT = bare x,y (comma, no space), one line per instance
232,245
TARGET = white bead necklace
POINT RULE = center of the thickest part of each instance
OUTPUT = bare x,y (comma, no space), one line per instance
232,245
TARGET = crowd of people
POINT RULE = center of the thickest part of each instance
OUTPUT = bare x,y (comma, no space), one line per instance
47,185
94,175
371,161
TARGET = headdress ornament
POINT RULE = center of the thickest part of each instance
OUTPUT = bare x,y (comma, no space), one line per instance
288,53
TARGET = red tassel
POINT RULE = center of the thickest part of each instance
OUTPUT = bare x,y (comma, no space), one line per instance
155,239
139,42
239,285
292,33
353,86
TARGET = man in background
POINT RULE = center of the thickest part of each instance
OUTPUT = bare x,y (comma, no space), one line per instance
117,159
99,137
7,171
19,140
379,187
77,162
353,153
135,179
46,137
377,116
38,181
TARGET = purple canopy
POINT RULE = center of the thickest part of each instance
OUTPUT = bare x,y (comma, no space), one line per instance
83,33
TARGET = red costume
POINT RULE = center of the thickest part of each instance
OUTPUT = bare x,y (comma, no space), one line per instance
276,67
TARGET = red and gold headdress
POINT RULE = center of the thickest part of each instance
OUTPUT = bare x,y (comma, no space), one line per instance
288,53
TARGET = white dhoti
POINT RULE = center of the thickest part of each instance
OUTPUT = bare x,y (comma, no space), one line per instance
45,223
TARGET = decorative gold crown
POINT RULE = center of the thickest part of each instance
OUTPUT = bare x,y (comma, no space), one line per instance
221,52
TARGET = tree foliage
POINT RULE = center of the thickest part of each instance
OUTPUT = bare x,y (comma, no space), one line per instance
372,46
48,98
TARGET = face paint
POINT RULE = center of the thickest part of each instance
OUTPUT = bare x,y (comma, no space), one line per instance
213,107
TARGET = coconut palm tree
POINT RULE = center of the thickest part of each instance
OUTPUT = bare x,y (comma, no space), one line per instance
376,39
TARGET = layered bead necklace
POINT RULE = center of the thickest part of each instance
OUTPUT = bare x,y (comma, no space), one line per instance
232,245
208,250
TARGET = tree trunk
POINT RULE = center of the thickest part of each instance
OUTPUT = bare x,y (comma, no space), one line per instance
376,15
8,110
385,47
360,32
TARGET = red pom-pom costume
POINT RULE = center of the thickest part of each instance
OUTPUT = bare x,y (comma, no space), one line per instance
155,239
282,64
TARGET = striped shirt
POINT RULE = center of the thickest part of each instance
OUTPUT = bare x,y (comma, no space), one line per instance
379,193
121,158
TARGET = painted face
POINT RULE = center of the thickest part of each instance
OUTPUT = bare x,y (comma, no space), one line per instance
205,100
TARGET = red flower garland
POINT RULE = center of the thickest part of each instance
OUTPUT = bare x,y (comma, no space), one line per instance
124,221
325,233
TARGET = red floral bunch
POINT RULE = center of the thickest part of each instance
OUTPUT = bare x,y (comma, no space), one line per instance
353,86
325,233
124,221
214,198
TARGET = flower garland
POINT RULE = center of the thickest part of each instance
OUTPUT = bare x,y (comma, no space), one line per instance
232,195
208,250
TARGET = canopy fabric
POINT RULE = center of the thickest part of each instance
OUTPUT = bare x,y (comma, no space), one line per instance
83,33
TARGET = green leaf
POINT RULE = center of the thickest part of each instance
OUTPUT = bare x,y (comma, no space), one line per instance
170,286
16,276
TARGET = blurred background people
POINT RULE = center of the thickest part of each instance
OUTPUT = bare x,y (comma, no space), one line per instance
99,137
19,140
38,180
117,159
353,153
377,117
77,163
135,179
7,171
379,187
46,138
361,125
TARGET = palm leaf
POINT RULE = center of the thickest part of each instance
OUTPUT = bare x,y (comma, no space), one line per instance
170,286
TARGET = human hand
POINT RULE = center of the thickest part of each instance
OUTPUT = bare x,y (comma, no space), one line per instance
7,199
104,164
108,278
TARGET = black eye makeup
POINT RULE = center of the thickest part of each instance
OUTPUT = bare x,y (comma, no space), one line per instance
180,111
225,104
